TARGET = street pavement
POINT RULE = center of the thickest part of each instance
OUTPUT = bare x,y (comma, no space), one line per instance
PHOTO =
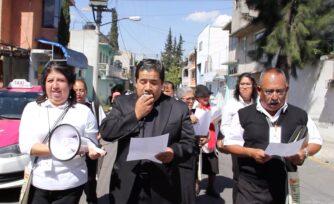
316,177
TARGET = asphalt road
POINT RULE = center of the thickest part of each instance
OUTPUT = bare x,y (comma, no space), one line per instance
316,177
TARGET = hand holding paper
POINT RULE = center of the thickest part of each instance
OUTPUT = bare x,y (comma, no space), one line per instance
284,150
165,157
148,148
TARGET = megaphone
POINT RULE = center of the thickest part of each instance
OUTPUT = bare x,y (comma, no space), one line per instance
65,143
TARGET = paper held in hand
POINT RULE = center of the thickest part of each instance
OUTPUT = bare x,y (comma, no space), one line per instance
284,149
147,147
204,120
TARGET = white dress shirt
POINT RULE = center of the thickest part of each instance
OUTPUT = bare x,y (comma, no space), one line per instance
236,131
230,109
37,120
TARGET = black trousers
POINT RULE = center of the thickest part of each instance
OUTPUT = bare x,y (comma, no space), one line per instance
90,186
69,196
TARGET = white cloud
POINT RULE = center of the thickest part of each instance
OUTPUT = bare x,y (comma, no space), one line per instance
202,16
221,20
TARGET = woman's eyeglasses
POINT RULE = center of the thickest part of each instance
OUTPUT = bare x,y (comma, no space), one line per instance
188,99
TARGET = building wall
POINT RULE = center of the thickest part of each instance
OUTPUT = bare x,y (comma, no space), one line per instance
21,23
5,28
190,69
84,41
212,52
311,92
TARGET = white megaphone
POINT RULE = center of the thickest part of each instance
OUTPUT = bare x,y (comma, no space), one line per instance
65,143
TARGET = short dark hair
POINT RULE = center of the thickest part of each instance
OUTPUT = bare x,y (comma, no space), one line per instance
150,64
237,87
83,82
65,69
169,83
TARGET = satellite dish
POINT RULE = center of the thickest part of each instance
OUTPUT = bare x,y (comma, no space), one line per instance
64,142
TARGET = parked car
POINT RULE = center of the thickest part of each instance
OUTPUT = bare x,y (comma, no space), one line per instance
13,99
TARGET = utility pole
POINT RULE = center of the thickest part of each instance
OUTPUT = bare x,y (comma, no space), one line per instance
99,6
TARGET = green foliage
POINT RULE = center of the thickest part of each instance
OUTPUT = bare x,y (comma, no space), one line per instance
113,35
174,75
299,31
64,23
172,58
167,55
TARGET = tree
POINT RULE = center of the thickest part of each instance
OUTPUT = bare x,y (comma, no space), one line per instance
174,75
167,55
172,58
179,51
64,23
296,31
113,35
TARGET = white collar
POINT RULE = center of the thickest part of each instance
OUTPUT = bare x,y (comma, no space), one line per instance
48,104
243,102
260,108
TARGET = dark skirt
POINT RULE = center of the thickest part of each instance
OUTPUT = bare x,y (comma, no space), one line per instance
210,163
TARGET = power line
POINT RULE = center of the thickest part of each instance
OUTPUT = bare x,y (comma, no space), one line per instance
81,15
135,39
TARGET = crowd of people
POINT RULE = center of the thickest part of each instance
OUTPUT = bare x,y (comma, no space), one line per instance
255,116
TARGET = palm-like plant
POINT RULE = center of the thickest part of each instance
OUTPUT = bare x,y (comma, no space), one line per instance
296,31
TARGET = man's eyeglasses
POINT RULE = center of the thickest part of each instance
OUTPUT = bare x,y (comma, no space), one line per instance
188,99
270,92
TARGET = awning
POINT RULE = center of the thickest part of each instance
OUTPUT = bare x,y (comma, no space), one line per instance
72,57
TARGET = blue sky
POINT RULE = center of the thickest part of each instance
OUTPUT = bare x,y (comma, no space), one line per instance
148,36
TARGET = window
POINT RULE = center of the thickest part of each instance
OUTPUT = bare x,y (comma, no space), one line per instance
51,13
199,68
233,43
185,73
200,46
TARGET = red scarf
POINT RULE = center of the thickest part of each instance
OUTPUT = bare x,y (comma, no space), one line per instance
212,132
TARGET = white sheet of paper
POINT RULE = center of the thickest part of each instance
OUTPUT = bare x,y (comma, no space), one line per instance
147,147
204,118
216,115
284,149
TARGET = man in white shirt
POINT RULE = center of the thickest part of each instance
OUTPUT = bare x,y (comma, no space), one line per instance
262,178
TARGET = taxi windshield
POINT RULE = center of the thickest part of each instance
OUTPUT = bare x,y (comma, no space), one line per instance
13,103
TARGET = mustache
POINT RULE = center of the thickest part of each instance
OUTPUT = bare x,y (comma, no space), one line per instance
273,103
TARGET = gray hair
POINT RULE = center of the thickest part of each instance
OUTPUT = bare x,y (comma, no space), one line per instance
182,91
273,70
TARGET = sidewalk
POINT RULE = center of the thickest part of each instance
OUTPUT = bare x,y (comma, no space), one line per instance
326,154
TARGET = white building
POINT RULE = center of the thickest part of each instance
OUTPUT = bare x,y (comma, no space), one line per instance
85,41
123,68
212,52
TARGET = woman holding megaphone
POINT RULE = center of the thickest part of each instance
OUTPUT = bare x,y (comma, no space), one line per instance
56,180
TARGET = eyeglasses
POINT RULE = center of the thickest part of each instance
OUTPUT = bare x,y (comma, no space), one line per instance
246,84
188,99
270,92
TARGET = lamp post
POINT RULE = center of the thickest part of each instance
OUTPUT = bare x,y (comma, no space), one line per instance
132,18
99,6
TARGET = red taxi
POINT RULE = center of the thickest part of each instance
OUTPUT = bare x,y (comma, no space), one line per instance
12,102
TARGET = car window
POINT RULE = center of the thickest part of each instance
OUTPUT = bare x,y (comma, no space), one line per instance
13,103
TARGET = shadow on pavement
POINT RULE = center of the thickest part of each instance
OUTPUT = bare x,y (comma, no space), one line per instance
221,184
